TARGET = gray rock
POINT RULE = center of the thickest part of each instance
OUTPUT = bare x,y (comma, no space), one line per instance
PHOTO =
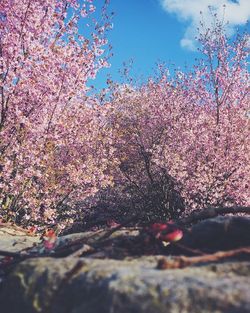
219,233
15,239
84,285
131,285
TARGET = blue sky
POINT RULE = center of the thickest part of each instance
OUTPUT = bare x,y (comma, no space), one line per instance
149,31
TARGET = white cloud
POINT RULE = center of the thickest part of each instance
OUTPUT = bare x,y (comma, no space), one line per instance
188,44
236,13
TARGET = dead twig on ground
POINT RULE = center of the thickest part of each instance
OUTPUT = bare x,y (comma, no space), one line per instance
184,261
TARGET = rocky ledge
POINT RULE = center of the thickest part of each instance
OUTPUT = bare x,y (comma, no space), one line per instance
94,284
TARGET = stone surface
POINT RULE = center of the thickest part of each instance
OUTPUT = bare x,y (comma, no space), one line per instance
15,239
84,285
113,280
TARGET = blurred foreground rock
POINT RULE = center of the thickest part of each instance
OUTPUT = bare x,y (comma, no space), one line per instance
105,286
134,284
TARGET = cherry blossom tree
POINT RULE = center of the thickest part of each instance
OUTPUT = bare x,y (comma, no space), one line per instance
183,142
218,155
140,120
52,148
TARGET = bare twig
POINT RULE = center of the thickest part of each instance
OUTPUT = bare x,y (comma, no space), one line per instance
134,218
82,250
183,261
